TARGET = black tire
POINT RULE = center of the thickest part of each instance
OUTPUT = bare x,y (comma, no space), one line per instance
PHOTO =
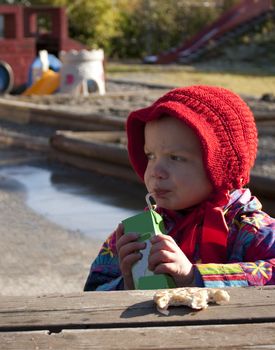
6,77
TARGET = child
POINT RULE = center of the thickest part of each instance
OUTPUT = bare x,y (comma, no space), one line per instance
194,149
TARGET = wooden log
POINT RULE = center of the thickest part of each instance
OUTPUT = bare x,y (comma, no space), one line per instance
266,128
64,122
25,141
96,145
262,185
102,136
22,112
231,336
39,114
15,114
90,164
263,115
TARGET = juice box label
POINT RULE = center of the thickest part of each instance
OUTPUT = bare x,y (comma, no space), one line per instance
147,224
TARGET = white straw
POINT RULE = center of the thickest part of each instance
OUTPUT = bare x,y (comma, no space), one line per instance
147,198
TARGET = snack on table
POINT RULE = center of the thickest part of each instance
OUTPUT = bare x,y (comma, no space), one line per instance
194,297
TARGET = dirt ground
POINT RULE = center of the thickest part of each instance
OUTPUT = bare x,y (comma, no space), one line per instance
37,256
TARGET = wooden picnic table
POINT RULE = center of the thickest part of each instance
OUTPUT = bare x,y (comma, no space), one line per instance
129,320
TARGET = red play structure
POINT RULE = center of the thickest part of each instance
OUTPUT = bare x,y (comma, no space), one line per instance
21,38
236,21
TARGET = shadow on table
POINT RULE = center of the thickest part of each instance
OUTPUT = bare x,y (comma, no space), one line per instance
148,307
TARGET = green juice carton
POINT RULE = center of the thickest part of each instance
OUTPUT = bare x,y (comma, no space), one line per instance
147,224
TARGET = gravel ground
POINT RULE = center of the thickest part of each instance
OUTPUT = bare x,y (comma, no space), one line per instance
36,255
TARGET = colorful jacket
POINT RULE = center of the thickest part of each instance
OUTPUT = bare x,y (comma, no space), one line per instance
250,251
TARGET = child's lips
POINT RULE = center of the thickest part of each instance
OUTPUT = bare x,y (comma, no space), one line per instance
159,193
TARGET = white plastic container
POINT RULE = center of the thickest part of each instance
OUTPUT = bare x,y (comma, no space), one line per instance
82,72
40,65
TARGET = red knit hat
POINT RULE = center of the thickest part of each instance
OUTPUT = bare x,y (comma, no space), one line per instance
223,123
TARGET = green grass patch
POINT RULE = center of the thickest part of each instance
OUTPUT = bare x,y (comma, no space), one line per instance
243,78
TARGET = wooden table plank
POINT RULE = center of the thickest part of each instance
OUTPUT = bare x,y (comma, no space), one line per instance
129,309
252,336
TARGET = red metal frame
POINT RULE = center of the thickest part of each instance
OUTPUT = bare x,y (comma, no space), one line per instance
22,40
244,12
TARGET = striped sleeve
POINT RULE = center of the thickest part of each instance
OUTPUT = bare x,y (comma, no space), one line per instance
251,255
222,275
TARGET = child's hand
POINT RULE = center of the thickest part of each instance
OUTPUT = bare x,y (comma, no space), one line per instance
167,257
128,253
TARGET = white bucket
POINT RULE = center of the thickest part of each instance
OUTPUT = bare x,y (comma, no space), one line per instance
82,72
41,66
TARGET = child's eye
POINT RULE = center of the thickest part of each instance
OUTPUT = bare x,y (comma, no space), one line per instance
149,155
177,158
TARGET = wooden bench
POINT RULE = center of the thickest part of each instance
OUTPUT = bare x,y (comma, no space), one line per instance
129,320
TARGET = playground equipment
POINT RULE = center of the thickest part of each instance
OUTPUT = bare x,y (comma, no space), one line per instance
82,72
47,84
43,62
234,22
21,38
78,72
42,79
6,76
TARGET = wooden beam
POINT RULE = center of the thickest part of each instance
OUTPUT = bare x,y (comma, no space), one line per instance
245,336
129,309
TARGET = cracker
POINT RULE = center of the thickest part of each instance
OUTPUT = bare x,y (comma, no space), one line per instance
193,297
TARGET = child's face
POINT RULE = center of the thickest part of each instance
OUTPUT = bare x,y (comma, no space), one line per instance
175,173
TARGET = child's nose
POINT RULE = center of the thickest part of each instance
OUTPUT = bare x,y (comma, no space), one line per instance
159,170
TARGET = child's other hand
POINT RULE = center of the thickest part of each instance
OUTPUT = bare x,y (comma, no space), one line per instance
167,257
128,253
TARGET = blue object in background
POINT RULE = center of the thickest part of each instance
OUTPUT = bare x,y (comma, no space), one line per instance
54,64
6,77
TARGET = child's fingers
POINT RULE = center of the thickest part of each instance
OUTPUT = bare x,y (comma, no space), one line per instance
119,231
182,278
163,244
128,251
130,248
128,282
127,262
160,257
166,268
161,237
122,239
